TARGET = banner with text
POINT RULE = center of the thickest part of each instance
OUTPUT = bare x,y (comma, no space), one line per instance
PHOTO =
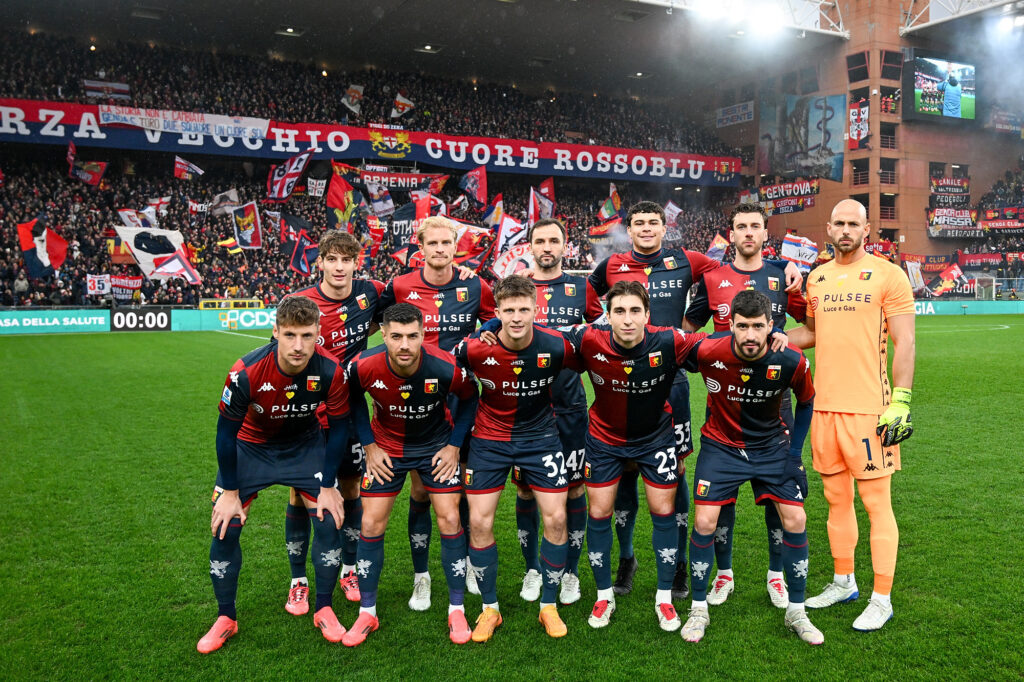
737,113
953,223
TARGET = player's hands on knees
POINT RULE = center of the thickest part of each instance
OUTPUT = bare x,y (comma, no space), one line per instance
329,500
794,278
779,341
465,273
227,507
894,425
378,464
446,463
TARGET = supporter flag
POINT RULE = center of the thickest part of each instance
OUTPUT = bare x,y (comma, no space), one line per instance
914,274
119,253
800,250
947,280
459,203
186,170
248,229
437,184
602,232
197,211
353,98
108,89
176,265
231,244
540,207
160,204
42,249
149,244
339,193
89,172
291,226
474,184
717,248
401,105
1,178
271,218
547,188
516,259
316,186
302,250
472,244
827,254
148,217
612,206
510,233
672,214
224,203
492,217
282,178
375,231
97,285
133,218
72,152
858,138
380,199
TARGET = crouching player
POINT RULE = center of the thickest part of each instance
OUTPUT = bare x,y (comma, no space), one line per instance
744,439
412,430
268,434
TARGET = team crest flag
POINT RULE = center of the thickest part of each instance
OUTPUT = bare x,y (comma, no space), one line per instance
401,106
176,265
186,170
353,98
42,249
248,229
859,130
380,199
492,217
89,172
281,180
602,232
303,254
612,206
474,184
717,248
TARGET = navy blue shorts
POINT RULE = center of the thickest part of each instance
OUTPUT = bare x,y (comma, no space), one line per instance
679,403
400,466
261,465
773,474
535,463
657,463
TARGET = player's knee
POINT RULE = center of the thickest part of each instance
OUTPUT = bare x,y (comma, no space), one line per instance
373,525
794,518
555,520
448,520
705,519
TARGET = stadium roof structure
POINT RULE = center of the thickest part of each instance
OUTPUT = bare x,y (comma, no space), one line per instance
650,48
933,18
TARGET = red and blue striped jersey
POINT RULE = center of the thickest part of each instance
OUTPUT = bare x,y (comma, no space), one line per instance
280,408
410,414
713,296
631,385
667,274
517,385
744,398
566,301
450,311
345,324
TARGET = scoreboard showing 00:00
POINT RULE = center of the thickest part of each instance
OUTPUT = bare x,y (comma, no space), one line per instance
148,320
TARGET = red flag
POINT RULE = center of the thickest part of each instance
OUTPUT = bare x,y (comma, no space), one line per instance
474,184
42,249
72,152
282,178
422,208
337,193
89,172
176,265
547,188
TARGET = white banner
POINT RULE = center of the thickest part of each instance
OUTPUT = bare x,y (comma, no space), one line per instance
97,285
316,187
516,259
182,122
149,244
914,273
800,250
737,113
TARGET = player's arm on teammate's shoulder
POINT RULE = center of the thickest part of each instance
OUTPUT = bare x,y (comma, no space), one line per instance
234,403
386,300
593,310
338,406
796,305
803,337
699,311
685,344
571,358
487,305
598,279
464,272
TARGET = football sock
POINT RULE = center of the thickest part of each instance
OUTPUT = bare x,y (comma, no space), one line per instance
774,525
774,575
844,580
452,608
464,513
491,605
723,536
682,514
599,544
453,561
885,534
702,553
528,525
576,524
606,595
298,581
296,538
724,573
420,529
663,597
552,558
372,610
485,563
884,598
626,505
794,558
326,558
348,568
370,557
225,563
665,540
350,530
842,520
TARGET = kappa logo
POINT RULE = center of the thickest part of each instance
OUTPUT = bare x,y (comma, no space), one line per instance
379,384
724,283
266,387
413,296
234,377
623,268
491,361
718,364
601,357
821,278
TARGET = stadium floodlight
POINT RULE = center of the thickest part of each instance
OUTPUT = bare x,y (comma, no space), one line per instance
768,19
1005,24
1019,20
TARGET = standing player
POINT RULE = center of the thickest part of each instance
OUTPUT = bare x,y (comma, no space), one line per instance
667,274
563,300
412,430
631,367
744,439
451,308
856,301
268,434
713,298
515,430
347,309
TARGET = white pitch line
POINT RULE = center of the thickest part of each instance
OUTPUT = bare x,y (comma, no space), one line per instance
248,336
1001,327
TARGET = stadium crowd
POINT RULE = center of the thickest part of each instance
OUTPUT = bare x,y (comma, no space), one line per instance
235,85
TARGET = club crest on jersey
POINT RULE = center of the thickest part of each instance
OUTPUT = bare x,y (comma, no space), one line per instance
362,302
462,294
702,488
774,372
430,386
313,383
654,359
570,289
543,359
865,274
217,492
773,283
367,482
467,478
670,263
517,474
586,470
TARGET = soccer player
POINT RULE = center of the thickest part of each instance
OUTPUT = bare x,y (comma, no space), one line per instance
515,430
744,439
563,300
667,274
713,298
855,302
951,91
347,309
412,429
631,367
268,434
451,308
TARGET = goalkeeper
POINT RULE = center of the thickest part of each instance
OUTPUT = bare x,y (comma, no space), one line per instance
855,302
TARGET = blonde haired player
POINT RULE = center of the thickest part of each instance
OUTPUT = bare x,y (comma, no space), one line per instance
854,303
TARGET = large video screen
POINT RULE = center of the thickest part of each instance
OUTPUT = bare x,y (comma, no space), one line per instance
943,88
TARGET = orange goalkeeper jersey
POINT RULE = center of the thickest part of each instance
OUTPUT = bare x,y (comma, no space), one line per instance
850,305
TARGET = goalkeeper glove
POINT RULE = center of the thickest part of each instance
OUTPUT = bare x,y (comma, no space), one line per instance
894,426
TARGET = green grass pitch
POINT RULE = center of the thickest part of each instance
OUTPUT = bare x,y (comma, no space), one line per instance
967,103
108,462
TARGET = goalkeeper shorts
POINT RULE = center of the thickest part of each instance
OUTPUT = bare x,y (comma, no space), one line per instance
843,441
